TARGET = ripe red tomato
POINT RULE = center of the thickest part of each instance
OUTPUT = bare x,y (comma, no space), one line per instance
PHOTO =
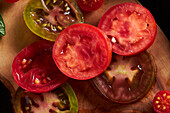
90,5
34,69
161,102
82,51
130,27
10,1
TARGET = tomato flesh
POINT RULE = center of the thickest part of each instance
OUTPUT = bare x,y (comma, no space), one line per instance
130,27
90,5
47,18
161,102
61,99
127,79
34,69
82,51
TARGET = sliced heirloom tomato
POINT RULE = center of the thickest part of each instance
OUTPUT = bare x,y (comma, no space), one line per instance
130,27
127,79
59,100
34,69
82,51
90,5
161,102
47,18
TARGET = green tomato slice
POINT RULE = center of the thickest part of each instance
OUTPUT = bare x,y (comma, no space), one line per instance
60,100
47,18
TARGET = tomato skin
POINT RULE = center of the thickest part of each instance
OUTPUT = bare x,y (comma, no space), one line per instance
90,5
11,1
130,27
82,51
34,69
161,102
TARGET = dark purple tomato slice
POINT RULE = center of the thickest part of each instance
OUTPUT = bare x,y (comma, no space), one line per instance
60,100
34,69
127,79
82,51
130,27
161,102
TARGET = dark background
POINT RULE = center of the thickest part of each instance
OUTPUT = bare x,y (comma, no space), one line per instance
160,9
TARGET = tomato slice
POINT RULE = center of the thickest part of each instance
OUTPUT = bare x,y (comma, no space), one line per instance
130,27
161,102
90,5
61,99
82,51
47,18
127,79
34,69
10,1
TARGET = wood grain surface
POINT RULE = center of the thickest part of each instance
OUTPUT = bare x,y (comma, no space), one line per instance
19,36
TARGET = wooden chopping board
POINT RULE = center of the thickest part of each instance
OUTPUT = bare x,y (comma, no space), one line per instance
19,36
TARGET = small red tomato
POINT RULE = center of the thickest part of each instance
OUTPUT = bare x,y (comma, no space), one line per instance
10,1
90,5
161,102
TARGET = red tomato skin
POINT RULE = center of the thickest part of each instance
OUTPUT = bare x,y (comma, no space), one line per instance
79,77
152,38
159,94
18,73
11,1
90,5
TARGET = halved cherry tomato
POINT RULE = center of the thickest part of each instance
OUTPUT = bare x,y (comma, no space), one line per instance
127,79
11,1
161,102
47,18
130,27
90,5
61,99
34,69
82,51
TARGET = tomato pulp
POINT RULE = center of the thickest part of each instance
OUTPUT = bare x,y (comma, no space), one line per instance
130,27
34,69
10,1
90,5
82,51
161,102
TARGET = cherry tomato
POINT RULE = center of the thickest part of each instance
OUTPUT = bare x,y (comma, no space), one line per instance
47,18
90,5
61,99
82,51
11,1
127,79
161,102
130,27
34,69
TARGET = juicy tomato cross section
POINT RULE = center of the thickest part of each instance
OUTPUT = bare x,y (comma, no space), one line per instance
161,102
82,51
130,27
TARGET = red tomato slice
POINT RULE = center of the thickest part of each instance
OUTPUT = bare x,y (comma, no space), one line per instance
10,1
82,51
161,102
34,69
90,5
130,27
